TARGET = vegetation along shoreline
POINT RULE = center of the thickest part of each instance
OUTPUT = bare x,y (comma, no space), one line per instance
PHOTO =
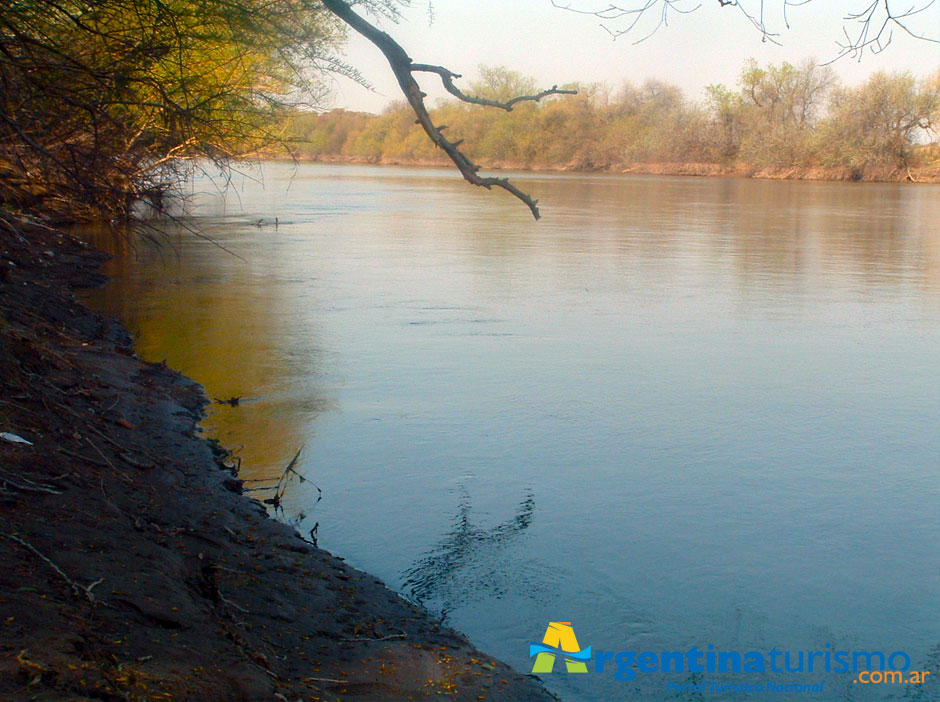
795,121
915,175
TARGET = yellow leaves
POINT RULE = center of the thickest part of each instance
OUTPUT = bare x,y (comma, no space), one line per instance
115,97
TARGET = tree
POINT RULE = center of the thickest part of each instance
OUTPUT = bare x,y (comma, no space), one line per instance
102,100
781,104
880,122
873,25
500,84
778,121
725,107
107,103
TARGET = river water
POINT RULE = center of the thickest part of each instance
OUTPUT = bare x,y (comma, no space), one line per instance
675,412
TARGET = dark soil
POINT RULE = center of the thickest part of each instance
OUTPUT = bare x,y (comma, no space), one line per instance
132,566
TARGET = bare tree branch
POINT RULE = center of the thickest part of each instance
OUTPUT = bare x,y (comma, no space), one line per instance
875,24
870,28
403,67
447,78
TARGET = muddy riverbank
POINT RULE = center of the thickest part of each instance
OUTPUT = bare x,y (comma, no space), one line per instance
135,568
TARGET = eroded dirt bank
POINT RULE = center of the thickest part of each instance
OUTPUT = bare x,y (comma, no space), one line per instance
132,566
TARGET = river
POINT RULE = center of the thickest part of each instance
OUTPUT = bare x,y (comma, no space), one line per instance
675,412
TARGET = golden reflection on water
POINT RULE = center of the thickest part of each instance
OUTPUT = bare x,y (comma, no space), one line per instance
223,332
217,319
668,390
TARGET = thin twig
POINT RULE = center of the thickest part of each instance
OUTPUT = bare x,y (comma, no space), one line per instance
87,459
390,637
79,590
30,485
95,447
228,602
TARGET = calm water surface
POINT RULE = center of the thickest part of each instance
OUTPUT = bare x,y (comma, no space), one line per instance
674,412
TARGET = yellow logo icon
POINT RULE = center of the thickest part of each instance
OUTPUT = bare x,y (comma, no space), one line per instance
559,640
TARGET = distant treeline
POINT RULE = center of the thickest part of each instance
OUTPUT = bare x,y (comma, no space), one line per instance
781,120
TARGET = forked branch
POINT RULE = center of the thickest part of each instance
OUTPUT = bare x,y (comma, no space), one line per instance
868,28
447,78
875,24
637,15
404,68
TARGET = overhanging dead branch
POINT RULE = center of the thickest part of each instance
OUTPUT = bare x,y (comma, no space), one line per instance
404,68
447,78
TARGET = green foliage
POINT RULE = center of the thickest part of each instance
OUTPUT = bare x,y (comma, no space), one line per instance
102,99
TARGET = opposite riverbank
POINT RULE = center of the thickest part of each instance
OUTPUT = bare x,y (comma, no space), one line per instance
917,174
135,568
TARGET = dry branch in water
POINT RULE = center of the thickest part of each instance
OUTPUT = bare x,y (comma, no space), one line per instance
403,67
283,482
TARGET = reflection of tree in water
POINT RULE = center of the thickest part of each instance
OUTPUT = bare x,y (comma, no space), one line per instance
471,563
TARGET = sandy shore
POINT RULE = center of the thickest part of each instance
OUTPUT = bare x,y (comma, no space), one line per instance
133,566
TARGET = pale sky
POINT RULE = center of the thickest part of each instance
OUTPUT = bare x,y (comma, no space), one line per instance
555,46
